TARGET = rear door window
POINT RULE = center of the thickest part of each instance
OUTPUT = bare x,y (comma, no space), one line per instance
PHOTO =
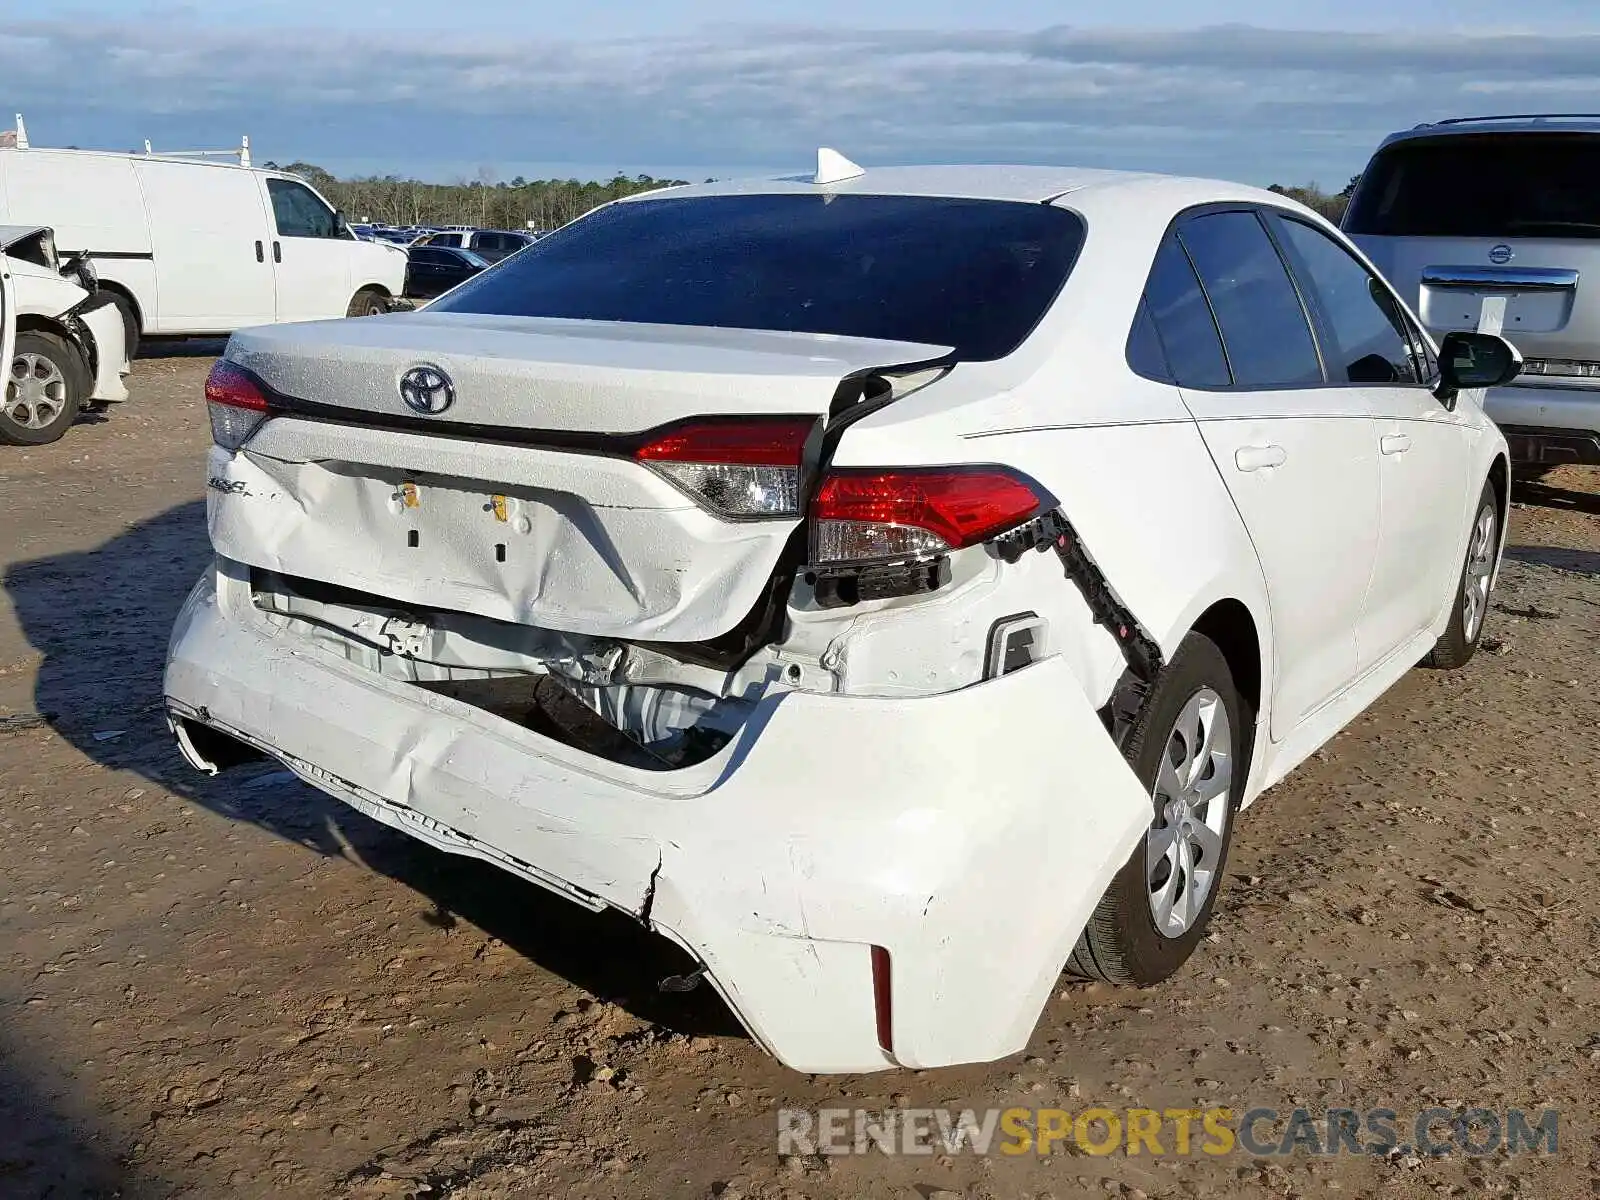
1264,327
1482,185
1367,340
1182,319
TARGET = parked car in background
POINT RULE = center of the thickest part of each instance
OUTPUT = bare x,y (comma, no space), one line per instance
1505,209
434,270
888,586
186,247
61,340
489,244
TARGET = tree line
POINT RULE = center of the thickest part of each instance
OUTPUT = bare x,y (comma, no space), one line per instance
501,204
548,203
1330,204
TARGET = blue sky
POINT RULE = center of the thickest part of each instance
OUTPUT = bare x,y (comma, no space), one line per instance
495,88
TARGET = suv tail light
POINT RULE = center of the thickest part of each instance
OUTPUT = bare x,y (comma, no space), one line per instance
861,515
741,469
237,402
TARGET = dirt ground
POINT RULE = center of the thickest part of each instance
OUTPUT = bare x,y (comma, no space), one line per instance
239,987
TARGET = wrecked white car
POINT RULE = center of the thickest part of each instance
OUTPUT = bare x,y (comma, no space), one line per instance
887,586
60,336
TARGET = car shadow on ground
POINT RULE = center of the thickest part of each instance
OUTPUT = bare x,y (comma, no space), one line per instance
1546,494
45,1152
100,620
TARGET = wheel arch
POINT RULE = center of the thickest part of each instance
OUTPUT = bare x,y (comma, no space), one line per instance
38,323
1500,481
121,289
1232,629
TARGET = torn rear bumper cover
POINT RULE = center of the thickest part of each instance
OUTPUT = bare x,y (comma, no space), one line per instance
969,834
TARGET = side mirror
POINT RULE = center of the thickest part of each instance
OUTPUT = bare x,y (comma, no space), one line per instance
1475,360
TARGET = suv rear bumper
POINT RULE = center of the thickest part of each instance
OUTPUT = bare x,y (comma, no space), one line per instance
1548,424
968,834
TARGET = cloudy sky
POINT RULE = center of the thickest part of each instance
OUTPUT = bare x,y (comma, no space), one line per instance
1264,92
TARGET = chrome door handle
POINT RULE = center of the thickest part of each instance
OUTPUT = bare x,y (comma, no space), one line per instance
1395,443
1257,458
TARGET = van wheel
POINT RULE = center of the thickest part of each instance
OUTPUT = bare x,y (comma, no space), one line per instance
368,302
45,382
130,322
1187,749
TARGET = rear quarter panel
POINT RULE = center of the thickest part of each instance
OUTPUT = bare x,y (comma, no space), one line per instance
1146,500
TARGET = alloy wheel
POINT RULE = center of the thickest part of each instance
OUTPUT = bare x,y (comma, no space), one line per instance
36,391
1480,566
1193,802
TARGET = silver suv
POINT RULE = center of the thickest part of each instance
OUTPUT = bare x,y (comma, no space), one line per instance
1470,209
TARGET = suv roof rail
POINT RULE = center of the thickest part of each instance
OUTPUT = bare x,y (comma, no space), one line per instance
1536,117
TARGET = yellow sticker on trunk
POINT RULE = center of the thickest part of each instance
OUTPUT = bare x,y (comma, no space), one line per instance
409,495
499,505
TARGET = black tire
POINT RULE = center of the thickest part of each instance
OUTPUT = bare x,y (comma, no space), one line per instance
36,351
368,302
131,329
1121,943
1460,640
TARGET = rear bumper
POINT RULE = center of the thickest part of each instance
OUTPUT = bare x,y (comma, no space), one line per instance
1548,424
969,834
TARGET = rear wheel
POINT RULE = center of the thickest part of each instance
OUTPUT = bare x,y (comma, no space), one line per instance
1460,639
45,384
1187,748
368,302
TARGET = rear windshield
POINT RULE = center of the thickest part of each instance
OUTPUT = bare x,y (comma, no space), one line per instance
972,274
1490,186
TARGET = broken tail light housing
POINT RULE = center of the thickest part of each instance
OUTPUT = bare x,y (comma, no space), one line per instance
238,404
883,514
742,469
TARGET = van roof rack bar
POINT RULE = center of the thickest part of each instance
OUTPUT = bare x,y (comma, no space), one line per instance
241,152
1512,117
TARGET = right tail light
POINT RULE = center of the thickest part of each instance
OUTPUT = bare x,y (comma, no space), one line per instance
237,402
878,514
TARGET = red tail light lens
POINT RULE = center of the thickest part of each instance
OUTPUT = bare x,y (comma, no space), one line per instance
237,404
878,514
739,469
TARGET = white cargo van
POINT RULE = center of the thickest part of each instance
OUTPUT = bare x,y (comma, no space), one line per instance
192,247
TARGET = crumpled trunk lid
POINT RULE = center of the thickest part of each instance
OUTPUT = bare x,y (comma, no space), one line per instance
518,501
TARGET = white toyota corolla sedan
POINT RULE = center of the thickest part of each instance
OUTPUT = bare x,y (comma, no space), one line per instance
887,585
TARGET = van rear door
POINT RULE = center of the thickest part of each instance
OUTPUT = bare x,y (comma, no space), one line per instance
209,231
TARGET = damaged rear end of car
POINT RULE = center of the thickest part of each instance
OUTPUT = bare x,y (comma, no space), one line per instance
585,595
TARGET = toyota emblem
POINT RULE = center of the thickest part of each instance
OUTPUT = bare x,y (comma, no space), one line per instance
1501,255
427,389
